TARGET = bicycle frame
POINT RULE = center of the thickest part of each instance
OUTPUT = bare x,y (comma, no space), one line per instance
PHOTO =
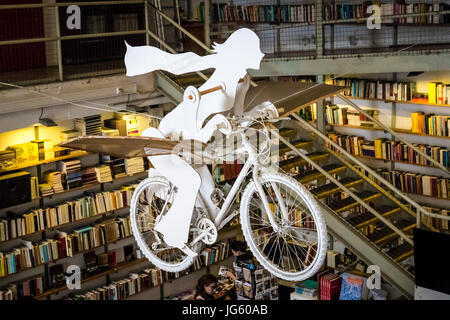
252,161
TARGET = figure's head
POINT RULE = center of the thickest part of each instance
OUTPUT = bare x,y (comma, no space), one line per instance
242,49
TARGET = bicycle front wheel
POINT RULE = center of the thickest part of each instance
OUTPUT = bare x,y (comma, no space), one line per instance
293,246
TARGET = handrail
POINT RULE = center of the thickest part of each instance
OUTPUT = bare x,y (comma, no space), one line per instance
348,191
373,173
187,33
67,4
360,110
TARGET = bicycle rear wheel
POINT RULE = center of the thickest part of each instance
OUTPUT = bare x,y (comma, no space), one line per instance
294,248
150,202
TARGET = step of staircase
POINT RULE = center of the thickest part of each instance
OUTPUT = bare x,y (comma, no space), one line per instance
401,252
350,203
364,219
315,174
332,188
386,233
299,161
287,132
299,144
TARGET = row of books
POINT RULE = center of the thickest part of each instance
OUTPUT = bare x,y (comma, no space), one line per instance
430,124
410,182
383,90
438,93
151,277
215,253
350,11
56,275
71,175
262,13
90,205
440,224
121,289
30,287
64,245
391,150
308,113
336,115
300,217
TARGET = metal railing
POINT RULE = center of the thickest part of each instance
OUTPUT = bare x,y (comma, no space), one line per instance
94,47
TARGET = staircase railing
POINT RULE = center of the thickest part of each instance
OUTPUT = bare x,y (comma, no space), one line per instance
343,187
187,33
386,183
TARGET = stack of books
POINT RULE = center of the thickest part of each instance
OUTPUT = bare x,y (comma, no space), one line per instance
118,167
90,126
72,170
88,175
45,189
307,288
103,173
134,165
55,180
7,159
69,134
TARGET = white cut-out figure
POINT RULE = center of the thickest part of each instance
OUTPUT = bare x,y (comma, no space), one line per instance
241,51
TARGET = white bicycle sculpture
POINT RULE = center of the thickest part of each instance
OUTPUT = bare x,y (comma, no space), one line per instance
281,221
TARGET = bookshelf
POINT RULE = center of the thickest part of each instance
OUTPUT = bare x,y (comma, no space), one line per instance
403,131
401,101
115,269
72,155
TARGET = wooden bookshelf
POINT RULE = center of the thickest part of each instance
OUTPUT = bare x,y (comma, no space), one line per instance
111,270
100,215
402,162
423,195
93,185
73,154
59,259
172,280
400,101
404,131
